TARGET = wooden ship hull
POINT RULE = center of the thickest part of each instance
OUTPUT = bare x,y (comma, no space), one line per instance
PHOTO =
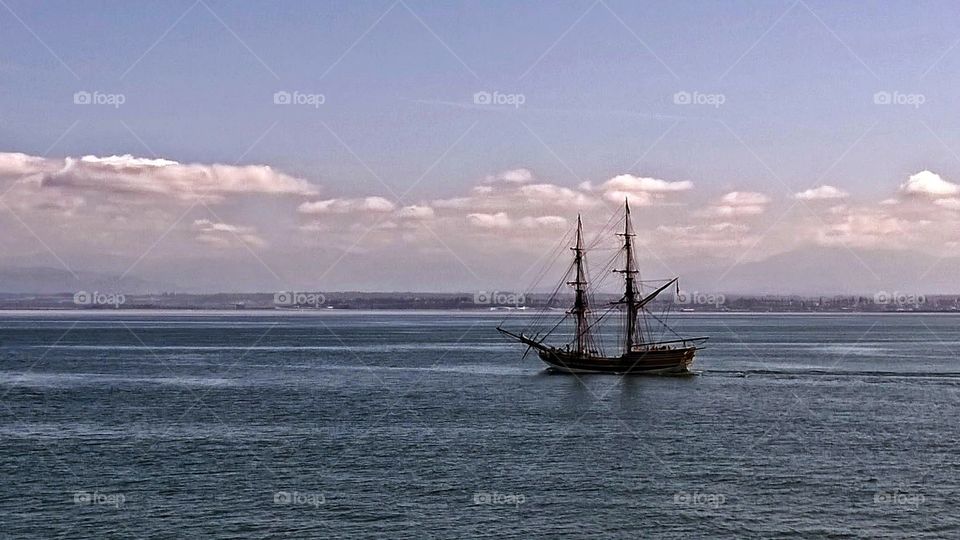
674,361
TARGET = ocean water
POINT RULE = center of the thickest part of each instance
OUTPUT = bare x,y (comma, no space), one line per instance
430,425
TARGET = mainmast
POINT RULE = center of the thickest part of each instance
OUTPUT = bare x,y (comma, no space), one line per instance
580,287
629,276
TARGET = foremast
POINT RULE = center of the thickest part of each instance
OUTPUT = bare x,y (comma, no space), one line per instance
580,308
631,333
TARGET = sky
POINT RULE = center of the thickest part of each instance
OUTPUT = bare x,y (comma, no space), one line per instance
766,147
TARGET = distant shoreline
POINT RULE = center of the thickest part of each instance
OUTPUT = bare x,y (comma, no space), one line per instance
307,312
478,302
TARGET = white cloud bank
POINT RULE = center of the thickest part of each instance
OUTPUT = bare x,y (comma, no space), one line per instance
512,176
121,204
346,206
737,204
821,193
930,184
640,191
127,175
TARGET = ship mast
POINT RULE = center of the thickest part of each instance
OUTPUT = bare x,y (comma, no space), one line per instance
629,276
580,299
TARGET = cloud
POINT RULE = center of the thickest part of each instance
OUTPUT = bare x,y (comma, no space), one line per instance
638,198
13,164
127,175
728,227
416,212
926,183
223,235
500,220
950,203
744,198
347,206
556,222
628,182
705,237
640,191
866,228
738,204
513,176
822,193
553,195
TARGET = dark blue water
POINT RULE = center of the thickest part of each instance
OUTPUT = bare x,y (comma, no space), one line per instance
421,425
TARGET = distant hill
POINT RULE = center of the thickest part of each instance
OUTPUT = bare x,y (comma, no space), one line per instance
44,280
838,270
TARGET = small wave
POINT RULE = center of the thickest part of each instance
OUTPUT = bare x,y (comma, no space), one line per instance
47,380
387,348
831,373
856,350
473,369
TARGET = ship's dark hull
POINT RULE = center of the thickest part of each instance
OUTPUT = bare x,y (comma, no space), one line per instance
652,362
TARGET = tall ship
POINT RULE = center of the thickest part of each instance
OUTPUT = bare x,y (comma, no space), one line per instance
640,351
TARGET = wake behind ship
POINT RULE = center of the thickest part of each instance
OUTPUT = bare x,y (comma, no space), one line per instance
639,352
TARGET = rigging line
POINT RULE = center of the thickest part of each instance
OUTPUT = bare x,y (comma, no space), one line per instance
601,317
666,317
556,250
663,323
554,327
541,316
564,275
548,301
602,233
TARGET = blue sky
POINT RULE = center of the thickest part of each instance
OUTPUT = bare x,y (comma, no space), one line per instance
598,81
